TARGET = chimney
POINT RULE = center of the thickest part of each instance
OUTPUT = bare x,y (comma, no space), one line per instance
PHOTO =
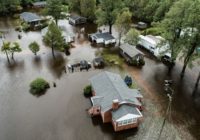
115,104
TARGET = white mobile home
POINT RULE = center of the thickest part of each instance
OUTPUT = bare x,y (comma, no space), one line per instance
105,38
151,43
69,37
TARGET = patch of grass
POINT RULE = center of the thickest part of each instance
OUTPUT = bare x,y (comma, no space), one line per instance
112,57
133,86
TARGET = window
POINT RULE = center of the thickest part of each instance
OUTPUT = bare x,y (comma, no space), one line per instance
125,122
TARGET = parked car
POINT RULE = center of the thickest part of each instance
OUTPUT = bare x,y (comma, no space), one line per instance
98,62
141,25
128,80
84,65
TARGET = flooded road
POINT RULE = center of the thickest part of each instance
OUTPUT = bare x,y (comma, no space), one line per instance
61,113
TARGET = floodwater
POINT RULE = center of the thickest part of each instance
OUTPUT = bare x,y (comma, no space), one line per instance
61,113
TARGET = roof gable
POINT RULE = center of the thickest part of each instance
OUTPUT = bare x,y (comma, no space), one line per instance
111,86
125,112
106,36
130,50
29,17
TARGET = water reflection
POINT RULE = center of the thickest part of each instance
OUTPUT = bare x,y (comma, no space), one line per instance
15,65
57,65
37,61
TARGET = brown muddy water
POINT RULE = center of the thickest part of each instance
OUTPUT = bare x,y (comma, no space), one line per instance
61,113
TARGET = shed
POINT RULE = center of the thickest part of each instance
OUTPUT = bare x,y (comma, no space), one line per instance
31,18
105,38
40,4
130,52
76,20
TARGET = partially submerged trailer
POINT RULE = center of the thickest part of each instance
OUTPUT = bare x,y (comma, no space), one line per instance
156,45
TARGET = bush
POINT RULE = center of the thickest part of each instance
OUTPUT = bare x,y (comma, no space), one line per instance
88,91
39,86
25,26
128,80
134,62
141,62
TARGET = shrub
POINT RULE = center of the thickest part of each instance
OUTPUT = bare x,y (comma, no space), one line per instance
88,91
38,86
25,26
141,62
134,62
128,80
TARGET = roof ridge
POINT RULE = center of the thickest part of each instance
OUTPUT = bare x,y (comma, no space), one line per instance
113,84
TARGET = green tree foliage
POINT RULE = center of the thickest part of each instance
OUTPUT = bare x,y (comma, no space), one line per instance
38,86
15,47
87,91
163,8
6,49
123,22
7,6
34,47
87,8
107,12
191,35
74,5
54,38
173,24
132,37
54,8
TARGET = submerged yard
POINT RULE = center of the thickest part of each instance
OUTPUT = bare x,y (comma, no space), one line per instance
61,113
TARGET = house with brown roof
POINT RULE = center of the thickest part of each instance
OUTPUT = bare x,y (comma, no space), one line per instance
115,102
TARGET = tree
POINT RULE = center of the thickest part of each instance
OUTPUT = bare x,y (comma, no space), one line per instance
74,5
132,37
196,84
34,47
191,35
87,8
173,24
123,22
107,12
54,38
7,6
163,8
6,49
54,8
15,47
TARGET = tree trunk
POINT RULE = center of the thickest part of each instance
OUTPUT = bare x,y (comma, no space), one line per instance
187,58
110,28
120,36
7,57
13,56
52,48
56,21
196,85
183,70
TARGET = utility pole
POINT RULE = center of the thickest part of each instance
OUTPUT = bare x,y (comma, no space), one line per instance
168,111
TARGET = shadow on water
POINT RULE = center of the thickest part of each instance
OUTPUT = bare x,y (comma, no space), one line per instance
37,61
185,107
57,65
107,128
15,65
37,94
